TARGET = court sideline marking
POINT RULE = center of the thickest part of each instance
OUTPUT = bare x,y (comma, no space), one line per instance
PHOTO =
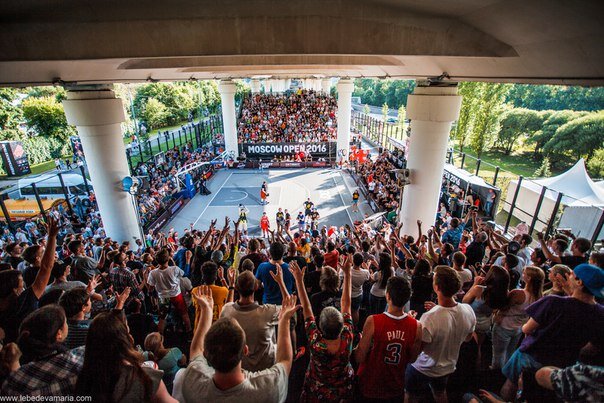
212,199
341,198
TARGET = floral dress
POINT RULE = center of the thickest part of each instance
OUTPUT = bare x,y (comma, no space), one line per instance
328,377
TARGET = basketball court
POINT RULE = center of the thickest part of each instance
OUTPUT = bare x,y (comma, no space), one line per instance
331,191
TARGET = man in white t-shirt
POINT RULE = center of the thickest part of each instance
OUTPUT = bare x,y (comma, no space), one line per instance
166,280
215,373
445,327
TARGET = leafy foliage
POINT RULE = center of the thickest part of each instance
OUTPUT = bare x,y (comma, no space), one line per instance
596,164
377,92
578,138
155,114
556,97
470,92
552,121
544,170
517,124
46,116
488,112
10,114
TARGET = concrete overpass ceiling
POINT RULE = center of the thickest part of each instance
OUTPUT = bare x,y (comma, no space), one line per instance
534,41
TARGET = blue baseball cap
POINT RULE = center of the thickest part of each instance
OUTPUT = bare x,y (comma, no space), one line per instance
592,278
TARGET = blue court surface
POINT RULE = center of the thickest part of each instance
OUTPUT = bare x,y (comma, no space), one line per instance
330,190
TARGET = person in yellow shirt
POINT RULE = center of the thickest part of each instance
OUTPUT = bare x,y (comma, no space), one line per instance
221,294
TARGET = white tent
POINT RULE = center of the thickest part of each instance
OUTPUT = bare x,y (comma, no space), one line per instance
582,200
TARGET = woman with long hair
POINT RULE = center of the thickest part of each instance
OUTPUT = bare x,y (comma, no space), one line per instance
112,370
169,360
507,329
48,367
377,295
488,294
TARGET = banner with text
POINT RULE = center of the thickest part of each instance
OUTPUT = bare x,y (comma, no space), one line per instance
270,150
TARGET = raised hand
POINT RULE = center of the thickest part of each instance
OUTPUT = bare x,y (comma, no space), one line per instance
288,308
347,265
231,275
203,296
52,226
122,298
278,274
296,272
419,222
227,221
213,223
429,305
93,283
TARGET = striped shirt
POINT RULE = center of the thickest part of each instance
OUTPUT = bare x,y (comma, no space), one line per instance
78,330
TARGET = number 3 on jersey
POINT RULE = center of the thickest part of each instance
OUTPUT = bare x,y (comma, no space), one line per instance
394,353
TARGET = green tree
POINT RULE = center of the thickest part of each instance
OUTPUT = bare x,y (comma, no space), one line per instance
556,97
553,120
470,91
490,105
46,116
58,93
402,116
10,114
580,137
544,169
178,98
596,164
243,89
155,114
517,124
385,112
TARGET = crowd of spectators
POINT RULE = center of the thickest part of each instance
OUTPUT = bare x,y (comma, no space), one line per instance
213,315
379,181
157,195
300,116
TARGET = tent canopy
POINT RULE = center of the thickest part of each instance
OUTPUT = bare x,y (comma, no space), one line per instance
575,184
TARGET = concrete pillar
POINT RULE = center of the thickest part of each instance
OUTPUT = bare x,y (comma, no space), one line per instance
326,85
255,85
431,110
345,88
97,115
227,90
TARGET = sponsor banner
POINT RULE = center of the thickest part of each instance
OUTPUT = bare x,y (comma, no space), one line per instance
265,150
14,158
165,216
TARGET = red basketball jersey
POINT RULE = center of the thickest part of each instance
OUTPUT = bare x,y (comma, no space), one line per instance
382,375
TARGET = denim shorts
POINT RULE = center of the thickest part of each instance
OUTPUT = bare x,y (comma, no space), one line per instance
417,383
518,362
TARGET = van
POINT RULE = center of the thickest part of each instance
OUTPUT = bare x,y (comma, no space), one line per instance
49,186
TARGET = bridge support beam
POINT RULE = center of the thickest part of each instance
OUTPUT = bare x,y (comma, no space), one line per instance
345,88
227,89
431,110
97,115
